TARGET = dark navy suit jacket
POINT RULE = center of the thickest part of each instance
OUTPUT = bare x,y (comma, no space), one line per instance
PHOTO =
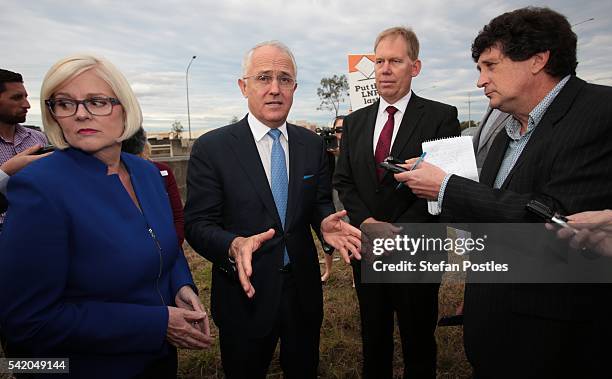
81,274
228,195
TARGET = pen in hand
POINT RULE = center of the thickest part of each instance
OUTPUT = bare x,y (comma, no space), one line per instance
414,166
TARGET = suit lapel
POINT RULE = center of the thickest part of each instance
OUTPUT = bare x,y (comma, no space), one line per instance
297,157
494,159
492,131
543,131
410,121
368,144
412,116
245,151
483,122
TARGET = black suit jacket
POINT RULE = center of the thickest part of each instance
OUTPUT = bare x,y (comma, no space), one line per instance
228,195
355,178
3,203
566,164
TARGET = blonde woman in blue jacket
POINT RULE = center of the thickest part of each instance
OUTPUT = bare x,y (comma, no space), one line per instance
90,268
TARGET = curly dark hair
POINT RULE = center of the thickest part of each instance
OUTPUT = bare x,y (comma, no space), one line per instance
524,32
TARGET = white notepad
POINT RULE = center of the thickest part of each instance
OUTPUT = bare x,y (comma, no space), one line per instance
454,155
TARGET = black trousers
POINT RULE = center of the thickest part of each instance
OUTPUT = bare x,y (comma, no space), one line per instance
505,344
416,307
245,357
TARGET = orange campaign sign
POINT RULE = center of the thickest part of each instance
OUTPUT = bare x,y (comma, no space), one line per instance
362,84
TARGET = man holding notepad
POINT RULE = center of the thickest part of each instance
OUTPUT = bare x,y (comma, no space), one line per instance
395,125
555,149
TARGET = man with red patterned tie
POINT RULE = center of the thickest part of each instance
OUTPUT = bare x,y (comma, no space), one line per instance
395,125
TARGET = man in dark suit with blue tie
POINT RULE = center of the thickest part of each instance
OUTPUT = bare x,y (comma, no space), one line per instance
254,190
555,148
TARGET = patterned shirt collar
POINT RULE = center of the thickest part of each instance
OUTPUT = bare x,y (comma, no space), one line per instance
20,134
513,126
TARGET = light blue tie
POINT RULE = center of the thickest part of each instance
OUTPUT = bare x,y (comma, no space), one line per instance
280,182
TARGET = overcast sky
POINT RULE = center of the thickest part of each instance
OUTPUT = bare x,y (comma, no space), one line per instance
152,43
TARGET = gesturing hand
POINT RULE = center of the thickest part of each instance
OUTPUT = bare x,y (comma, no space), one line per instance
241,250
373,229
184,330
342,236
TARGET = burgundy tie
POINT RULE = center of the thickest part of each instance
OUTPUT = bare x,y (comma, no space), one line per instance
383,146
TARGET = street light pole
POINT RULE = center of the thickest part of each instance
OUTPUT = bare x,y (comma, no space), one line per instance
469,110
583,21
187,86
427,88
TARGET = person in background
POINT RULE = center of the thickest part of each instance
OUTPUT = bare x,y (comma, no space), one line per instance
333,155
12,166
138,145
90,267
14,138
491,124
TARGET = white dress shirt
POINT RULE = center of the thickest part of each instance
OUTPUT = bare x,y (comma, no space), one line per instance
263,141
383,115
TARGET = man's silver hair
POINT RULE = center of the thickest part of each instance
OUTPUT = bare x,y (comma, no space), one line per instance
246,61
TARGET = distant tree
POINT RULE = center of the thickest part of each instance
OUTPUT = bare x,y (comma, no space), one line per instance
332,92
234,119
177,129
